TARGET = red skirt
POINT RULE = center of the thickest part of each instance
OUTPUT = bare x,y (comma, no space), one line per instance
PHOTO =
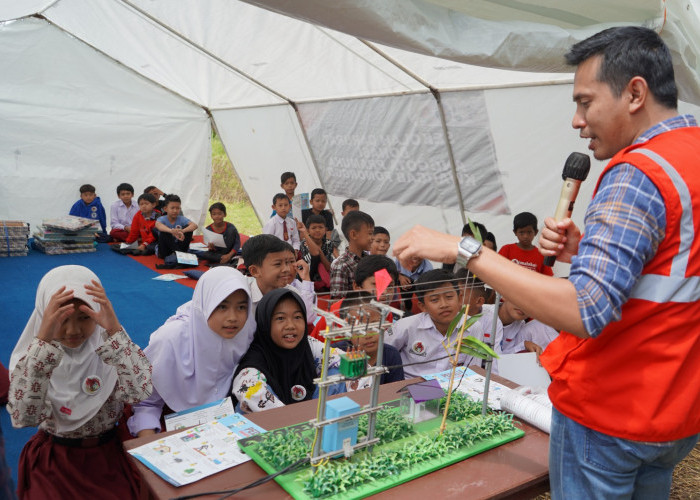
49,470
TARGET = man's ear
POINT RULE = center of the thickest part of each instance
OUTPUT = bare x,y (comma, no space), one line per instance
638,90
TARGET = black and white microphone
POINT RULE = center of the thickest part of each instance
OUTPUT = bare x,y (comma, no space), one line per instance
575,171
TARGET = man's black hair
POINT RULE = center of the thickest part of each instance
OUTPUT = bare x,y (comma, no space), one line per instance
370,264
466,230
524,219
125,186
350,203
171,198
354,222
286,176
148,197
258,247
218,206
432,280
317,192
315,219
87,188
280,196
381,230
630,51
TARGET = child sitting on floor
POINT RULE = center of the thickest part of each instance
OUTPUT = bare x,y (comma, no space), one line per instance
317,251
222,255
272,264
122,212
283,361
73,369
196,351
174,230
90,207
282,224
143,228
421,337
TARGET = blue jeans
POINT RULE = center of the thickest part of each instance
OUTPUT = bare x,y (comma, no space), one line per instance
586,464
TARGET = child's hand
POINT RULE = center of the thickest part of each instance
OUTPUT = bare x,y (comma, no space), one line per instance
532,347
142,247
404,280
211,247
56,313
106,317
300,225
303,270
179,235
302,231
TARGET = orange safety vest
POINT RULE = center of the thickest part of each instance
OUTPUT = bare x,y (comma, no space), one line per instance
640,378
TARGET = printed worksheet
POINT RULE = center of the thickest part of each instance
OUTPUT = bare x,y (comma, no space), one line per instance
199,414
471,384
198,452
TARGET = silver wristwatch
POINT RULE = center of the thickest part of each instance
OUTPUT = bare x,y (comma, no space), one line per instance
467,249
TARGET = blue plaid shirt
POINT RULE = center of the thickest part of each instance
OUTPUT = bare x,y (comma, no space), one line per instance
624,225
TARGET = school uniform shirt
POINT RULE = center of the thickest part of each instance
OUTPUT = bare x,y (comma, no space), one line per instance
94,211
417,340
529,259
327,216
250,386
142,227
276,226
120,215
539,333
304,288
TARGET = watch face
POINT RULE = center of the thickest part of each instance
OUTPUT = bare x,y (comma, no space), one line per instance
470,245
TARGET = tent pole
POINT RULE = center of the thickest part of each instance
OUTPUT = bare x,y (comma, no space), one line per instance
443,122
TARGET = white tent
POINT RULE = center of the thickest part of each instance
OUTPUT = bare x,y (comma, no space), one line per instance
110,91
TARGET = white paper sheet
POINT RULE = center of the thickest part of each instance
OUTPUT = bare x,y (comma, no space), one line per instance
523,369
169,277
472,384
212,237
133,245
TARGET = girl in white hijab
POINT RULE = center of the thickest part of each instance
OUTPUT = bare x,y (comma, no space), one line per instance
72,370
196,351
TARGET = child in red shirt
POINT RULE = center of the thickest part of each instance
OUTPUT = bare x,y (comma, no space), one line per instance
143,226
524,253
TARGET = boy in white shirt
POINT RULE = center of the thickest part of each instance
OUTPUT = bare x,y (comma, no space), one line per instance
282,224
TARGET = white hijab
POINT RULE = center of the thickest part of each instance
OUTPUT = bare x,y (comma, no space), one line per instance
77,364
192,365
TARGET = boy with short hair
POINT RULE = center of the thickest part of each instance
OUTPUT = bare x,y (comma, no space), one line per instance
317,251
174,230
90,206
122,212
524,253
365,280
282,224
337,238
358,228
143,226
381,240
421,337
318,201
272,263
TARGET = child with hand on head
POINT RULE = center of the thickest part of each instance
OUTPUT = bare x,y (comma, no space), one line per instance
222,255
122,212
358,228
421,337
72,370
272,264
196,351
143,228
90,207
174,230
318,201
337,238
381,240
282,224
283,361
317,251
524,253
158,195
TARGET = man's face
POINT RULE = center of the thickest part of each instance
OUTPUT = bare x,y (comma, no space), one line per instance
277,271
126,196
380,244
88,197
600,116
318,202
316,231
282,207
289,186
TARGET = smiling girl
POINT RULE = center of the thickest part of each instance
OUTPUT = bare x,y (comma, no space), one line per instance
196,351
283,361
73,369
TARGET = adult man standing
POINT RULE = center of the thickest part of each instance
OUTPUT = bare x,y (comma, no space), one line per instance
625,380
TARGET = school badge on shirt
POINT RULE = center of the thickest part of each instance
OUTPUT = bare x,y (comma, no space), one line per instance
418,348
92,385
298,392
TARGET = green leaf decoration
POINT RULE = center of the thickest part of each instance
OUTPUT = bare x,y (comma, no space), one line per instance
472,346
454,324
475,231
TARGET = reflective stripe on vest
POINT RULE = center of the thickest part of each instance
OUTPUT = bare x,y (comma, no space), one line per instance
675,287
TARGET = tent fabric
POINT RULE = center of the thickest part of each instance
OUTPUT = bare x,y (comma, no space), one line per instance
379,101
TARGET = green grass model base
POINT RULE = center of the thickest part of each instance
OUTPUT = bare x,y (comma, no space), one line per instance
406,452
